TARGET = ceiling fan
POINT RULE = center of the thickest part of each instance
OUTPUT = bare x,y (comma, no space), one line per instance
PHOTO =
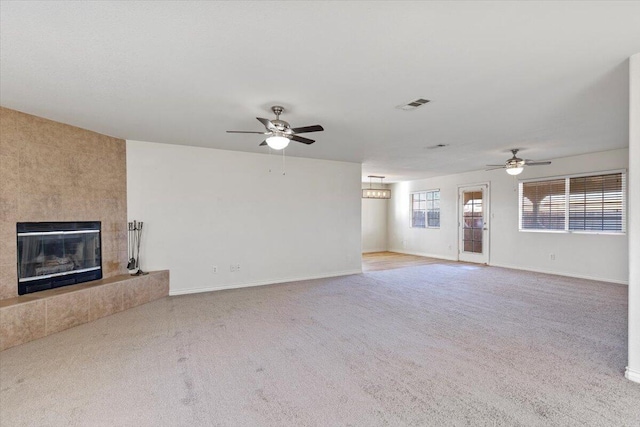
515,165
280,133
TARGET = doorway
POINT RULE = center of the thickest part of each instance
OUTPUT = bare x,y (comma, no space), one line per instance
473,223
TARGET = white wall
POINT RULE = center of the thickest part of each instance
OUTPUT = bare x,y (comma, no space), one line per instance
602,257
203,208
633,369
374,223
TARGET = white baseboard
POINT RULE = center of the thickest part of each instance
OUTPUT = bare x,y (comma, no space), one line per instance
632,375
559,273
261,283
438,256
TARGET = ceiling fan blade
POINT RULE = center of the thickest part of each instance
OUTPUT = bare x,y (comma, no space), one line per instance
528,163
494,167
266,122
263,143
307,129
301,139
245,131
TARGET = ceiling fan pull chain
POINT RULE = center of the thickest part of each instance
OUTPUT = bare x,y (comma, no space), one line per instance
284,170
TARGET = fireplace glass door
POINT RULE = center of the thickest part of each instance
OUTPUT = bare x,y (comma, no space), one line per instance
48,258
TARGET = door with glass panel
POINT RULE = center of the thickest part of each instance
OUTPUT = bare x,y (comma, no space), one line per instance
473,245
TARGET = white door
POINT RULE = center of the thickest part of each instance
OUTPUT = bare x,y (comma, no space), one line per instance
473,221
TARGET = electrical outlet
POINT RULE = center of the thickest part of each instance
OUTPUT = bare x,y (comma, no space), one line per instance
215,269
234,268
552,257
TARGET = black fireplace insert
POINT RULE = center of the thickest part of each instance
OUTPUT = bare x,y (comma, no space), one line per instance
54,254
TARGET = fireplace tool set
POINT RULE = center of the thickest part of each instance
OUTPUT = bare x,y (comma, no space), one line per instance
135,236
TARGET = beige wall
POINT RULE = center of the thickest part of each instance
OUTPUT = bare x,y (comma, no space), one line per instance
50,171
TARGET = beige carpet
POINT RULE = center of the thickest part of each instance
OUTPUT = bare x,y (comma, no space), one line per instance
449,344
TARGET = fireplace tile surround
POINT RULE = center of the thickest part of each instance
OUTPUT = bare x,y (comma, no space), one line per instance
51,171
29,317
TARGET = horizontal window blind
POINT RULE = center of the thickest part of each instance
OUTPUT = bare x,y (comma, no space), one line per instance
543,205
585,203
596,203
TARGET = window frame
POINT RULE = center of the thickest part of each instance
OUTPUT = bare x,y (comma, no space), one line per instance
567,193
426,210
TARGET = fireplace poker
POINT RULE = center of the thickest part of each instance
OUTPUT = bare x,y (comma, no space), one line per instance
138,239
132,261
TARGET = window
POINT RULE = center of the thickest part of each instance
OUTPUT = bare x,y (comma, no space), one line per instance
543,205
586,203
418,209
425,209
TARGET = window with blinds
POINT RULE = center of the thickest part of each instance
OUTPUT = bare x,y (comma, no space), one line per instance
425,209
542,205
594,203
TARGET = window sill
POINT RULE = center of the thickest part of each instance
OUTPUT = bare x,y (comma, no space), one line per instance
606,233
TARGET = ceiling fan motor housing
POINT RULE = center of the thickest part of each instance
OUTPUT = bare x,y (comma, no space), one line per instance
515,162
282,126
278,124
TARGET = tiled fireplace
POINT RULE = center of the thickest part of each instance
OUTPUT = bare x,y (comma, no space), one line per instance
53,172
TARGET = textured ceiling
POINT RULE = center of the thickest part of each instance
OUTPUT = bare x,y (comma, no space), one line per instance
550,78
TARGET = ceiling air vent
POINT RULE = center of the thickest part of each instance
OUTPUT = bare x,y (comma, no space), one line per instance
413,104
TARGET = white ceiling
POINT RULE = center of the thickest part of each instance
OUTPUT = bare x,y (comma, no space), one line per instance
551,78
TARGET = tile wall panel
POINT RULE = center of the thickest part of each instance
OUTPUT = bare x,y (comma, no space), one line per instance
22,323
67,310
51,171
105,301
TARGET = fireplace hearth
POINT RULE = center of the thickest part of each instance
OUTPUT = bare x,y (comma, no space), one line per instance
54,254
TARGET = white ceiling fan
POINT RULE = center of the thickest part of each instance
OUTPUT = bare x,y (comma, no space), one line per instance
515,165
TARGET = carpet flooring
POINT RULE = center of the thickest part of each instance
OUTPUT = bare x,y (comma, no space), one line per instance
436,345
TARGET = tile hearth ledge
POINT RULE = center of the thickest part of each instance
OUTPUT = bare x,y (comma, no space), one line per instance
32,316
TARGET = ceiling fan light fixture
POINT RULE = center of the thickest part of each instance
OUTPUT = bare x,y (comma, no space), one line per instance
515,165
277,142
514,169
